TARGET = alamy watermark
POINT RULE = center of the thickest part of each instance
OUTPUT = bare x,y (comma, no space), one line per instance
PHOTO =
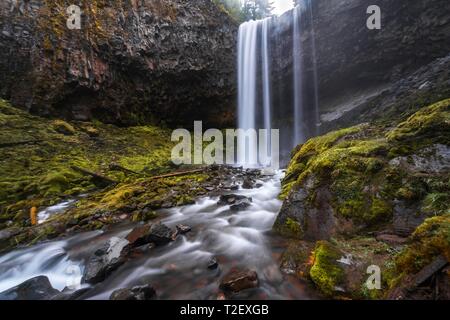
74,19
374,20
244,147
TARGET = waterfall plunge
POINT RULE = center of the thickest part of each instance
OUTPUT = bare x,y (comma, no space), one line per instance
257,109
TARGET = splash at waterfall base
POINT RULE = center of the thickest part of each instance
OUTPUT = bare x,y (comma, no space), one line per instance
254,148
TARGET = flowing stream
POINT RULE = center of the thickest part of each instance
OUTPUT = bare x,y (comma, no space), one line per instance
178,270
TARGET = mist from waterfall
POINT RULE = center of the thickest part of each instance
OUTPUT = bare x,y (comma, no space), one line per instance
298,109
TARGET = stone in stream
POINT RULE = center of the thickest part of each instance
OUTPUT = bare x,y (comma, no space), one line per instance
213,264
38,288
105,260
160,234
138,236
182,229
230,199
68,294
146,292
241,205
248,183
237,280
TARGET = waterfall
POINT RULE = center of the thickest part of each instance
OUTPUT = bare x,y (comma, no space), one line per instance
253,48
290,106
298,78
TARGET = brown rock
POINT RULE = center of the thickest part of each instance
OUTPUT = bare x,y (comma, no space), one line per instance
237,280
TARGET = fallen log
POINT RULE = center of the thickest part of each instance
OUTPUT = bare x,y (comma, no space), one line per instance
411,283
98,177
116,167
428,271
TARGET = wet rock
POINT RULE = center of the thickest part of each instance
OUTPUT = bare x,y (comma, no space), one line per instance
38,288
138,236
248,183
241,205
230,199
238,280
146,292
105,260
182,229
213,264
68,294
160,234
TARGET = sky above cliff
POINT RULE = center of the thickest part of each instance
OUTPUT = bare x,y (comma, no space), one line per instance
281,6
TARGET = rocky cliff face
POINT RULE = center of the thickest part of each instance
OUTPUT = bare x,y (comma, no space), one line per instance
131,62
365,74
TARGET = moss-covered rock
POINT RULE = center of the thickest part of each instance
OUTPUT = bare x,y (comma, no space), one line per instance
326,272
369,174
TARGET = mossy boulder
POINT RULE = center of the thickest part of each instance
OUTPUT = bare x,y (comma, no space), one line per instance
365,177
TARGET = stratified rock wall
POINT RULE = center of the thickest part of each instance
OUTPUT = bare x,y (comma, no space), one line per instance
131,62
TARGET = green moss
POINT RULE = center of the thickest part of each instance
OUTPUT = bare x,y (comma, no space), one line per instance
38,171
354,165
325,272
430,240
291,229
63,127
429,125
437,203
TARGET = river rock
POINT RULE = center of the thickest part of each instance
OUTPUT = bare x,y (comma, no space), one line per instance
241,205
237,280
105,260
146,292
248,183
182,229
213,264
230,199
139,236
160,234
38,288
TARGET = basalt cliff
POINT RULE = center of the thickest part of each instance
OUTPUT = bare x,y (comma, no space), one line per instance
131,62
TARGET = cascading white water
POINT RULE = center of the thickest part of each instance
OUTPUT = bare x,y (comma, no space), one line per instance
253,47
298,79
247,49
